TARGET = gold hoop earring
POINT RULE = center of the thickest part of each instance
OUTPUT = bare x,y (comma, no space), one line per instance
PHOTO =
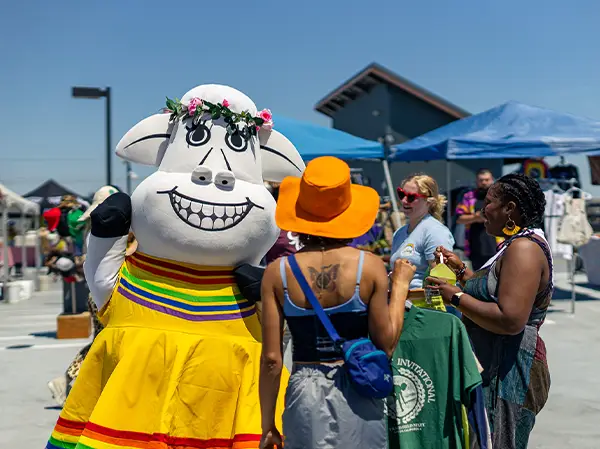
510,228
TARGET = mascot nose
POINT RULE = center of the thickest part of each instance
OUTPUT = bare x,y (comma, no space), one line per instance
225,178
202,175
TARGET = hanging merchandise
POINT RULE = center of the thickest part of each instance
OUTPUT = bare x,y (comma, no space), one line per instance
435,371
563,173
555,210
52,217
535,168
574,229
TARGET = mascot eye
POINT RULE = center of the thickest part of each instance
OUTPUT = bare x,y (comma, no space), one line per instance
197,135
236,142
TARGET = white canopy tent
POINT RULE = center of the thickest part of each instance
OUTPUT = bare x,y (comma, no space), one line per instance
11,203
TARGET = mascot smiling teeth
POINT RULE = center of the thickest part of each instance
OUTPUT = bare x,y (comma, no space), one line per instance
206,215
177,364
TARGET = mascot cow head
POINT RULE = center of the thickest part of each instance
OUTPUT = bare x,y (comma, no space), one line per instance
207,204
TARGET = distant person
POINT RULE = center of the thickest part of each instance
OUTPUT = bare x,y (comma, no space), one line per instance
12,233
479,245
417,241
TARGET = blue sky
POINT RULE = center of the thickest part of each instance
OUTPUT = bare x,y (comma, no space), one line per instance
284,55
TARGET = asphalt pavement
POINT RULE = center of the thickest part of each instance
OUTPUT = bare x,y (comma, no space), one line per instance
30,356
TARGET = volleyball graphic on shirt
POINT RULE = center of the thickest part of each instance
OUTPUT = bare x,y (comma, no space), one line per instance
413,390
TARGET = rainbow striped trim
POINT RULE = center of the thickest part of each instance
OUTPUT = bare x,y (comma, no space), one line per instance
80,435
183,291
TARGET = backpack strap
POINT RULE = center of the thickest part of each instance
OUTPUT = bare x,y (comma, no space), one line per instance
312,299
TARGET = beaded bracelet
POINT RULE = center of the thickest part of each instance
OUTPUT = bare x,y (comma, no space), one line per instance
461,272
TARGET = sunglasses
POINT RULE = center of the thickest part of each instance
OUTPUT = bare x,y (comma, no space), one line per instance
410,197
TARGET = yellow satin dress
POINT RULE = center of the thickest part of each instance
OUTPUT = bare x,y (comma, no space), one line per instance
176,367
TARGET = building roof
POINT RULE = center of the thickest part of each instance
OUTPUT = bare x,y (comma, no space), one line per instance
373,75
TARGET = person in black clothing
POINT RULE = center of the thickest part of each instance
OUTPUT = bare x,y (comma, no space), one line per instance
479,245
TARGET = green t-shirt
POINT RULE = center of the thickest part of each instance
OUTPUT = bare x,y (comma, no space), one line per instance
76,227
434,373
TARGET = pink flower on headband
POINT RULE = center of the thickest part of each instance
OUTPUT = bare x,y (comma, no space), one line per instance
194,104
267,117
225,103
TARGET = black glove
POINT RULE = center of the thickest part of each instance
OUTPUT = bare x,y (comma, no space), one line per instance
112,218
248,278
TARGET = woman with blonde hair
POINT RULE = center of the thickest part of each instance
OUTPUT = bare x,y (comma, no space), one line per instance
417,241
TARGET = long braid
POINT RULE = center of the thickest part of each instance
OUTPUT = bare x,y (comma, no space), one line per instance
528,196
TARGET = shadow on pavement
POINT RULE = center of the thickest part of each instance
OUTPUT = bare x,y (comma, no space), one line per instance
47,334
565,295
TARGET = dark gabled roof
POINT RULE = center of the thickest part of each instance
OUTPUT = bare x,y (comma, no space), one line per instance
50,188
373,75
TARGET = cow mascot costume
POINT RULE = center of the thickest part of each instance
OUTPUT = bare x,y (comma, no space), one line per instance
177,365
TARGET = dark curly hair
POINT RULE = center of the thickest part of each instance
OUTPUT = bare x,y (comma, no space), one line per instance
325,242
527,195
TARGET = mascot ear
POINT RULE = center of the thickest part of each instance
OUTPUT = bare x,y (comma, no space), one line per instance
279,157
147,141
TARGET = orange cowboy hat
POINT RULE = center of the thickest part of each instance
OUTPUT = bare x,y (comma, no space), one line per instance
325,203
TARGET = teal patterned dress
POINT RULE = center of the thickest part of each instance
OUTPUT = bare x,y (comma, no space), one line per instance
516,379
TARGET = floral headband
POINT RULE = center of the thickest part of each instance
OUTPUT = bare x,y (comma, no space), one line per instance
196,108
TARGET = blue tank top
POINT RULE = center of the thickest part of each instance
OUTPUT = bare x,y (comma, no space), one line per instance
310,341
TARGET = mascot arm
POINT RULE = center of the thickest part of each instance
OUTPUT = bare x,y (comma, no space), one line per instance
102,264
107,243
248,278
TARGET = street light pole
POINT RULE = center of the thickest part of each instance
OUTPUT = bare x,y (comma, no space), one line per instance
108,144
95,93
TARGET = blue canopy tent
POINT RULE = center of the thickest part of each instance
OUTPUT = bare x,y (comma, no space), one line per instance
511,130
313,141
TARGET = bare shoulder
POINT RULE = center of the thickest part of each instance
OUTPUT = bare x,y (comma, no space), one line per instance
524,249
271,274
525,244
374,265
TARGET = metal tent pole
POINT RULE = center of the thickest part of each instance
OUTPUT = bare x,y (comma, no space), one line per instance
390,186
5,248
23,247
38,255
448,193
573,267
387,140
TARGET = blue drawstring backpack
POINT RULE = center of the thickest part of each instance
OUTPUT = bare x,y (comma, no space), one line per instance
368,367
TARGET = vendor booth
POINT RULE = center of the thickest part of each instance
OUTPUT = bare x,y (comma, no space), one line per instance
11,254
49,194
511,130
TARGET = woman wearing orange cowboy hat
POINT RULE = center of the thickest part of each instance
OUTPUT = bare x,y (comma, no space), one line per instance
322,403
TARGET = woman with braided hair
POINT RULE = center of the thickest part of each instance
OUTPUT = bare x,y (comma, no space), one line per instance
504,304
